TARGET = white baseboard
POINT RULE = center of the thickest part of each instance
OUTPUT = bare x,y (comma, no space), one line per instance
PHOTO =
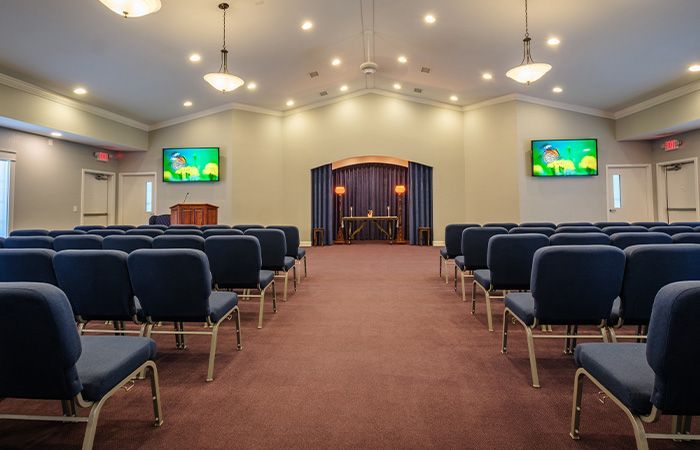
438,243
305,244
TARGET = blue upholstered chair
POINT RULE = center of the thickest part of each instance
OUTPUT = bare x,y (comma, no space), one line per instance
175,286
52,362
152,227
574,224
650,224
475,244
150,232
691,224
547,231
27,264
127,243
509,261
624,240
183,232
2,242
104,232
98,287
507,225
624,229
291,234
686,238
273,248
453,245
175,241
579,239
602,225
57,233
246,227
571,285
87,228
538,225
29,232
29,242
120,227
78,242
236,263
215,227
160,219
222,232
183,226
578,229
672,229
650,380
648,269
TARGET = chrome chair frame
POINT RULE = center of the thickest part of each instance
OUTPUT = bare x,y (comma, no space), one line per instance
246,294
488,294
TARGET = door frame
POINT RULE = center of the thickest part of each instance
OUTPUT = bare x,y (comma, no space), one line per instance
111,204
120,196
650,187
662,205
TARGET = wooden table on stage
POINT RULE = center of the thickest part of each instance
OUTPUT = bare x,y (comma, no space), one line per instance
355,224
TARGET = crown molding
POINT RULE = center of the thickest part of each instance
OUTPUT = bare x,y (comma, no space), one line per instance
540,101
659,99
490,102
51,96
214,110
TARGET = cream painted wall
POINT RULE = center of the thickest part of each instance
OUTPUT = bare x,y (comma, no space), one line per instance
682,113
48,178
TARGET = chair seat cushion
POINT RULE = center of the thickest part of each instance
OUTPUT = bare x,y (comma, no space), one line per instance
483,277
622,369
523,306
289,263
459,262
106,360
266,277
301,253
220,303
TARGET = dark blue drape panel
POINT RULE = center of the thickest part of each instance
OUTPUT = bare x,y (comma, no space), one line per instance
370,186
322,201
420,199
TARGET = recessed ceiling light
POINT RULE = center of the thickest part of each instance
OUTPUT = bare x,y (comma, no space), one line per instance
553,41
290,102
402,59
187,104
429,18
343,88
80,90
454,98
397,86
336,62
694,68
56,134
487,76
195,57
252,85
557,90
307,25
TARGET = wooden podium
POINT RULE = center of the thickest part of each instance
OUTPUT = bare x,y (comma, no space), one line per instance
194,214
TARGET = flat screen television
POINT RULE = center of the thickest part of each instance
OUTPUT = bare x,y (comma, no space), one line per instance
190,164
564,158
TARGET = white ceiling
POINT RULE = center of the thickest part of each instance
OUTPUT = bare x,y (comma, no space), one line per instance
614,53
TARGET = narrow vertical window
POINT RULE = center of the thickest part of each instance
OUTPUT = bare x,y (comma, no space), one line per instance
149,196
617,194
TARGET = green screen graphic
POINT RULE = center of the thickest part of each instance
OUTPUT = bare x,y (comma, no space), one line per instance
186,165
565,157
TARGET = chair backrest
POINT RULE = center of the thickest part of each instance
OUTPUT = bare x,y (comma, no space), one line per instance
602,225
27,264
686,238
650,224
160,219
222,232
183,226
57,233
576,285
2,242
578,229
120,227
152,227
475,245
85,241
215,227
40,343
691,224
32,232
648,269
510,259
624,240
127,243
183,232
106,232
671,348
453,237
29,242
291,234
96,283
529,230
171,285
150,232
507,225
579,239
246,227
538,225
191,242
625,229
89,227
672,229
235,261
574,224
273,247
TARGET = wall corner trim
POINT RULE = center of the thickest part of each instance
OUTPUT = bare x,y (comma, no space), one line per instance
659,99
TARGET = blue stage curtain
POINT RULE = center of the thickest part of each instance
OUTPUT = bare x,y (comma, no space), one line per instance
370,186
322,201
420,199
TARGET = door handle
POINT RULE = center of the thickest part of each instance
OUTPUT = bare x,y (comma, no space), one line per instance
612,210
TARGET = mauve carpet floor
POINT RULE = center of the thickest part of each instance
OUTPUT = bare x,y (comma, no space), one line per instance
373,351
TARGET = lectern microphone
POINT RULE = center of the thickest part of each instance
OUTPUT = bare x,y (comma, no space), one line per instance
186,195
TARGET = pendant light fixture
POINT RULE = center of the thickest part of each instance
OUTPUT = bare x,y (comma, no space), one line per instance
132,8
528,70
223,80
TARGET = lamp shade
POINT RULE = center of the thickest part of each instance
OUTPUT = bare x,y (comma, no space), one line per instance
132,8
340,190
224,82
400,189
528,73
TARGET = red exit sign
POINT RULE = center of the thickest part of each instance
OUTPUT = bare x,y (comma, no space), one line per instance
672,144
102,156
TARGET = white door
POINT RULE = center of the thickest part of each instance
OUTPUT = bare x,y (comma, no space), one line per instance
6,170
96,198
681,189
136,198
629,193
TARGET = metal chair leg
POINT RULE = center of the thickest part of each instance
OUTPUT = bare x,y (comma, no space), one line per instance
464,289
237,312
155,394
576,408
286,279
489,319
262,309
274,296
504,336
533,359
473,297
212,352
306,273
